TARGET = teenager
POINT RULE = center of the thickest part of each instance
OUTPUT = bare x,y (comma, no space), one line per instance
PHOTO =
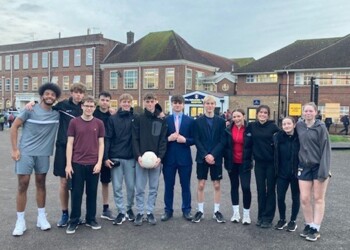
178,158
314,170
119,158
234,164
287,146
209,137
85,146
148,134
33,152
259,144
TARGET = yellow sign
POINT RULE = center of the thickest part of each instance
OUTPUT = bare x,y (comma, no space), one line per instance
294,109
332,110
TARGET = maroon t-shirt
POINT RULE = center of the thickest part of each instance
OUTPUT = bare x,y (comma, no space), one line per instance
86,135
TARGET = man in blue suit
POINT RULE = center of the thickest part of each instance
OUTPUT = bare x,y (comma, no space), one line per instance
178,158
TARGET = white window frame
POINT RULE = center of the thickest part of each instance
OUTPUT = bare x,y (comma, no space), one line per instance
170,78
8,62
35,61
113,79
54,59
130,77
65,58
44,80
25,83
45,59
77,57
89,56
54,79
35,82
151,78
65,83
189,78
76,79
16,62
16,84
88,82
7,84
25,62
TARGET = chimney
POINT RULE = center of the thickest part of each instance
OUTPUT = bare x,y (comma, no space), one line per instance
88,31
130,37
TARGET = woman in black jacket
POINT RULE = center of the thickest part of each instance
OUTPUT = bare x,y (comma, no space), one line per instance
258,143
287,146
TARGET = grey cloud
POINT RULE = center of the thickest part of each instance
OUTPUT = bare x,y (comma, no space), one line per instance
28,7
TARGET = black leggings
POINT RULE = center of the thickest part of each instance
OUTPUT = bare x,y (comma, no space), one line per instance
235,175
282,187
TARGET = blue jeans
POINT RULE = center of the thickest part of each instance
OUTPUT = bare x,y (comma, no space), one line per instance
142,175
126,170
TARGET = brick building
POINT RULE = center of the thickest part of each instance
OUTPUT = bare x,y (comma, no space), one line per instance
282,79
25,66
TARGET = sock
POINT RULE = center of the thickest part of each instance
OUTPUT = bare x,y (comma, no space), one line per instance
201,207
65,211
246,211
216,207
41,211
105,207
316,226
20,215
235,209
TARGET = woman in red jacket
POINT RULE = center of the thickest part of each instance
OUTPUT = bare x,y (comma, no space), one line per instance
233,163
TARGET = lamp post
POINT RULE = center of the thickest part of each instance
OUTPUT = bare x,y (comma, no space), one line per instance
2,92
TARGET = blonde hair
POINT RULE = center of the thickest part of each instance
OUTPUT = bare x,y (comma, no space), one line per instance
126,96
312,104
209,98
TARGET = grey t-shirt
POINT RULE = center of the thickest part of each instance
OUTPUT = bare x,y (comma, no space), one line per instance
39,131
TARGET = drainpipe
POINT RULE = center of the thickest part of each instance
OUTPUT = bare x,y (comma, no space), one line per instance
287,93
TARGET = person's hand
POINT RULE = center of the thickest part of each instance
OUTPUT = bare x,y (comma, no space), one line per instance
29,105
69,171
210,159
16,155
112,111
97,169
139,160
181,139
108,163
173,136
158,161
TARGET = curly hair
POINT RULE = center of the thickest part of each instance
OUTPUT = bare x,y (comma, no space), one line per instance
50,86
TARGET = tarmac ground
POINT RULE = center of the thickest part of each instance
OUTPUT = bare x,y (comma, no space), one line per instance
175,233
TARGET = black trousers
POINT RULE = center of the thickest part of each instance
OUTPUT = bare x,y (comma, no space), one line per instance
265,184
282,187
83,174
237,175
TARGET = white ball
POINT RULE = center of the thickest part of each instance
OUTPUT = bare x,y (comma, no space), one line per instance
149,159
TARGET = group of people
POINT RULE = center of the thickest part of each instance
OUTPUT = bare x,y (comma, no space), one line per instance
94,139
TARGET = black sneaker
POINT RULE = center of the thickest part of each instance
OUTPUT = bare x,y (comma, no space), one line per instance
313,234
258,222
151,220
130,215
266,224
197,217
93,224
138,220
107,215
281,224
292,226
219,217
71,228
119,220
305,232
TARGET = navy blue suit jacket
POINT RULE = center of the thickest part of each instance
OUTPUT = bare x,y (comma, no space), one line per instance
207,143
179,153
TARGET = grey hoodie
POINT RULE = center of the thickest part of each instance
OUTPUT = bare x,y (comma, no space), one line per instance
315,147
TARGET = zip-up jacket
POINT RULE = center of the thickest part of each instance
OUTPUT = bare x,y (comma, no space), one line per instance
68,110
315,147
286,154
118,139
149,134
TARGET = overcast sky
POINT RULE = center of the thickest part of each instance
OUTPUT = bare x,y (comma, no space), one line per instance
230,28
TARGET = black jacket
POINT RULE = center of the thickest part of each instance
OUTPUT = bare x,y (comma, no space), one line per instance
68,110
258,142
286,152
118,139
228,157
149,134
102,116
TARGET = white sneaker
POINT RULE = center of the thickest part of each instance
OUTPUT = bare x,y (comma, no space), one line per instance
235,217
246,219
20,227
42,223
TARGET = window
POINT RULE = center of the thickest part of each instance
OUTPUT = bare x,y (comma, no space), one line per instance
65,58
166,106
44,59
34,83
65,83
113,80
76,79
89,56
34,60
16,84
134,103
264,78
88,82
130,79
344,110
188,78
54,79
77,57
7,85
54,59
170,78
150,78
25,86
0,62
325,78
16,62
44,79
7,62
199,81
25,61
